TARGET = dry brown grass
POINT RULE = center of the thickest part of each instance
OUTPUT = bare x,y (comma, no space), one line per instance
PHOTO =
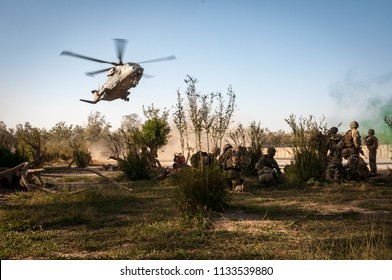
342,221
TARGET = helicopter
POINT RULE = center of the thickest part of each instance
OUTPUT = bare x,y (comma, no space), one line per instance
120,77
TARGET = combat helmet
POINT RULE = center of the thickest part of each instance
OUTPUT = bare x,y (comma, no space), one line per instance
333,130
226,147
271,151
354,124
371,131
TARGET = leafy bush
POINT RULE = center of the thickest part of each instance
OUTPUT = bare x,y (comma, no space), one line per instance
309,151
82,157
200,190
135,167
10,158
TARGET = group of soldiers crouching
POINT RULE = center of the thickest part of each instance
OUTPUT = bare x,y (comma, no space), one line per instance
338,147
349,147
235,160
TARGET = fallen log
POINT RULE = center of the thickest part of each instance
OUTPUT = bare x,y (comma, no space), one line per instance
68,168
25,175
106,178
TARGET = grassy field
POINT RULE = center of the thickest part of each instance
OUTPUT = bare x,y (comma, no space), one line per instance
342,221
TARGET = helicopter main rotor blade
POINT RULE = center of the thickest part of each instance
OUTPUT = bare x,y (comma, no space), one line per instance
86,57
159,59
147,76
91,74
120,45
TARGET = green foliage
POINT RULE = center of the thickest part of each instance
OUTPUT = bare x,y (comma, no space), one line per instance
388,121
32,141
97,128
82,158
179,119
135,167
135,146
200,190
10,159
309,150
202,117
257,138
155,133
81,155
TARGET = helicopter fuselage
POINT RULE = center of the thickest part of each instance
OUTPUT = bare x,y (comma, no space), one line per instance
120,79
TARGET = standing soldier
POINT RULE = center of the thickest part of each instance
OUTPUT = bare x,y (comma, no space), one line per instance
335,166
353,146
231,173
371,142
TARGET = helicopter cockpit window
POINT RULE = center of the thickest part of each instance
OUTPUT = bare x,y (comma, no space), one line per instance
111,72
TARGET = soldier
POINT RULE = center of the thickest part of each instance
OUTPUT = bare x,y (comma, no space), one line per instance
371,142
353,147
268,169
335,144
231,172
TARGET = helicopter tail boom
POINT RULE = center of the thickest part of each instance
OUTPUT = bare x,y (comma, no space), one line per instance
89,101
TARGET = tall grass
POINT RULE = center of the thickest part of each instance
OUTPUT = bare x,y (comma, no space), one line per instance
372,242
200,190
276,223
309,150
135,167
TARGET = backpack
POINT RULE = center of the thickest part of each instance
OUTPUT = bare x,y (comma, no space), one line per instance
348,139
240,157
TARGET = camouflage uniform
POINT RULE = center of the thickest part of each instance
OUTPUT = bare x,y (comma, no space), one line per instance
335,170
353,147
371,142
231,173
268,169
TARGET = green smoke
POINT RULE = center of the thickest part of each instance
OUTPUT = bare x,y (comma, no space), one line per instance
367,99
377,110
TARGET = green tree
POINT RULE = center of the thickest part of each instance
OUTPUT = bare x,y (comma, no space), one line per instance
135,145
202,116
206,115
97,128
10,155
180,121
79,145
58,141
121,141
155,131
238,135
257,138
32,142
7,137
222,116
194,110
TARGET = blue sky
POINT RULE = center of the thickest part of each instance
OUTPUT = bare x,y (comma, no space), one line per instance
321,58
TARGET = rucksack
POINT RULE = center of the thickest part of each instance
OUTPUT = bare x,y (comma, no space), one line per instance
240,157
348,139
